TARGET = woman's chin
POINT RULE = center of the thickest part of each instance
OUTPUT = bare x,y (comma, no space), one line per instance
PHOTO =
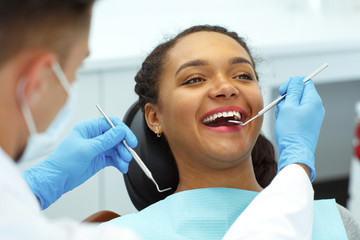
226,144
228,153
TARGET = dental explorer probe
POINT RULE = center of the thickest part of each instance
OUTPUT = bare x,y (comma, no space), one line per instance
271,105
135,156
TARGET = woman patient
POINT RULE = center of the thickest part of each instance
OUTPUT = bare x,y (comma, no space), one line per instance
189,87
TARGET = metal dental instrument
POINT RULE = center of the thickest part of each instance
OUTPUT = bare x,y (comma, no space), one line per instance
135,156
271,105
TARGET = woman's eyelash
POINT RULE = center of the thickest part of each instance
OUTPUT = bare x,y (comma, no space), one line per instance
197,79
193,80
244,76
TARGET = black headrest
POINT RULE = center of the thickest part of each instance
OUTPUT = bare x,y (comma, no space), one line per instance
156,157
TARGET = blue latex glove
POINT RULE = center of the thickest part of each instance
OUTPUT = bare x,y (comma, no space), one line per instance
90,147
298,121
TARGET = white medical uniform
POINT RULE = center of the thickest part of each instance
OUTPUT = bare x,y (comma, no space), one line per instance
20,216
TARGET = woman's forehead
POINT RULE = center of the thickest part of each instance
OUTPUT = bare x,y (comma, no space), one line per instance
207,46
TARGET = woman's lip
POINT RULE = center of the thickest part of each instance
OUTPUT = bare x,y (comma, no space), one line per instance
225,109
224,129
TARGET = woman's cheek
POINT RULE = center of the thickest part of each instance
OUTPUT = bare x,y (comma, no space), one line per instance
258,98
255,102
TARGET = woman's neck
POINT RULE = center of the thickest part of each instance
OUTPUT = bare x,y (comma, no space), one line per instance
240,176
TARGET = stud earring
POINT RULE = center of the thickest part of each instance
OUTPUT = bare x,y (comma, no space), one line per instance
157,132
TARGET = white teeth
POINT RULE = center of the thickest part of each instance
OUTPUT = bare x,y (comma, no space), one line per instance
235,114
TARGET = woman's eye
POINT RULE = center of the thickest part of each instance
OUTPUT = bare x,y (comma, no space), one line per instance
244,76
193,80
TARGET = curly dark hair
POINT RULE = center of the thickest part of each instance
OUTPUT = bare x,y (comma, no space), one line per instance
147,87
51,24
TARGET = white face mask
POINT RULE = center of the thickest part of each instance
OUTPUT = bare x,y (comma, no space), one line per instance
40,145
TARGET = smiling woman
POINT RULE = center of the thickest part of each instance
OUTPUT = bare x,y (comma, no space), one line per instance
189,87
186,84
201,81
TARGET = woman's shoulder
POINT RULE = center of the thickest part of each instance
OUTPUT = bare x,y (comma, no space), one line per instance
331,221
153,222
151,214
351,225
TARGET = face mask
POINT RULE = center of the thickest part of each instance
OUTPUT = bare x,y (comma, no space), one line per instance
40,145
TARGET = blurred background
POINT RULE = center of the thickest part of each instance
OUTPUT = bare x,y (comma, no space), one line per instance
287,37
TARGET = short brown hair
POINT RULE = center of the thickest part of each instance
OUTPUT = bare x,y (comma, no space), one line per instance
41,23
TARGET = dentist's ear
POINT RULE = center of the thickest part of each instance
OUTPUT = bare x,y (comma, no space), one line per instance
152,118
36,72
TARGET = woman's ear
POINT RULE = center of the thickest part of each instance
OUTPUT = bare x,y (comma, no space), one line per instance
152,117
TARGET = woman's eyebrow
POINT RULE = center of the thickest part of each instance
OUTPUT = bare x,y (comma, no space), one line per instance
237,60
193,63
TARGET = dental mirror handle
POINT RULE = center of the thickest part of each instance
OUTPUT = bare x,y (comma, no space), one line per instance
273,103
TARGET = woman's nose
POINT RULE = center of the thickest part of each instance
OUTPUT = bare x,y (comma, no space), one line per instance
223,89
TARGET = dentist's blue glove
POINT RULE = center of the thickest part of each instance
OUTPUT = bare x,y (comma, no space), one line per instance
90,147
298,121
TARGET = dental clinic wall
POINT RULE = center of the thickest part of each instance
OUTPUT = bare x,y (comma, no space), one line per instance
290,37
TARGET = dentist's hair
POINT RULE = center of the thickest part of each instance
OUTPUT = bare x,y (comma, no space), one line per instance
147,87
45,24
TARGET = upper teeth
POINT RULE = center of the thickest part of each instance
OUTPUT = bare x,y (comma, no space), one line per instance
234,114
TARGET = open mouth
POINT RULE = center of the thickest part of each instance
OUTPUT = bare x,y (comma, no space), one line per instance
222,119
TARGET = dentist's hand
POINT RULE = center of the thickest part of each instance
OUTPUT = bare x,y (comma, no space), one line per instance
298,121
91,146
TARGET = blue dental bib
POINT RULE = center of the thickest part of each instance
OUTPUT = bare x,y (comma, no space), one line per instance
208,214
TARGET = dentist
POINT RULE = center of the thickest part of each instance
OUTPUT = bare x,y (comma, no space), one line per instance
42,44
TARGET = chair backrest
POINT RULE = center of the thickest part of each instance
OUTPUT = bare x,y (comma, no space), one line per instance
101,216
156,157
